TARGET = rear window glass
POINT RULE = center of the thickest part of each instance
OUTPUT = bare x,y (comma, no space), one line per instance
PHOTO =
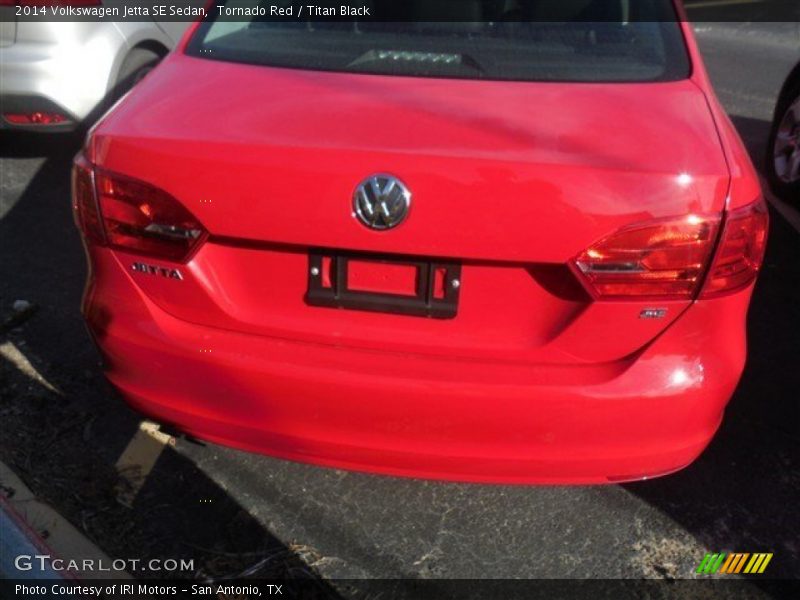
519,40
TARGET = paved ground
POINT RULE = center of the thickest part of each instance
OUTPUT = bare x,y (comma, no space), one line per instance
229,510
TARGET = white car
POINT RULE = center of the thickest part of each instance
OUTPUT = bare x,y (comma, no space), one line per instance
56,76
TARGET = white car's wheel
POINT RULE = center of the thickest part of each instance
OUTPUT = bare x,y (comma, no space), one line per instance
138,63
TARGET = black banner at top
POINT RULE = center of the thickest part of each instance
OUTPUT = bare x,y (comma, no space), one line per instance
305,11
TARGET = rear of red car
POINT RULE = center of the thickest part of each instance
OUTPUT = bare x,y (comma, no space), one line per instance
489,251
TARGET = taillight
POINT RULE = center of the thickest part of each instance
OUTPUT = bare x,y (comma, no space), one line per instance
84,201
658,259
668,259
134,216
37,117
741,250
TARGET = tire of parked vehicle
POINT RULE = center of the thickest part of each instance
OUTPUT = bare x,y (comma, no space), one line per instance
138,63
783,150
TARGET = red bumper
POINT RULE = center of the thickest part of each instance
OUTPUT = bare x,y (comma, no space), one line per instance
422,416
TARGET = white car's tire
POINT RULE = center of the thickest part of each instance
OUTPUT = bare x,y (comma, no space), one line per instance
137,64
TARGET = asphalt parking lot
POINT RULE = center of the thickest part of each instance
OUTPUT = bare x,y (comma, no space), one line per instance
63,430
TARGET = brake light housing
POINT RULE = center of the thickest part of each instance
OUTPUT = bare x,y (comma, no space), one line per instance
84,201
740,252
131,215
661,259
677,259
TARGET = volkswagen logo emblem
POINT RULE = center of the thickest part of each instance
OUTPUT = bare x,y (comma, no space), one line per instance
381,201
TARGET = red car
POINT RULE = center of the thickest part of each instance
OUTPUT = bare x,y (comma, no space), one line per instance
506,250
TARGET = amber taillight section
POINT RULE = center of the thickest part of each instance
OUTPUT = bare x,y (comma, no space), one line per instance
656,259
131,215
741,250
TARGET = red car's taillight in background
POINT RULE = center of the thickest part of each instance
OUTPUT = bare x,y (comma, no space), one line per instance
741,250
665,258
132,215
669,259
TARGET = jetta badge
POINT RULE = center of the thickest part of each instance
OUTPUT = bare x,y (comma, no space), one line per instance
381,201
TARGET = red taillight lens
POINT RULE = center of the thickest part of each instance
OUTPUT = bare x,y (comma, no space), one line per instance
660,259
35,118
741,250
143,219
133,216
84,202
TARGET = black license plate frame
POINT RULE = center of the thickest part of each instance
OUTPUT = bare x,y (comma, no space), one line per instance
424,303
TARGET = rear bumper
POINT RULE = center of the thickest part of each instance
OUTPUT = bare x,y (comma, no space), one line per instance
424,416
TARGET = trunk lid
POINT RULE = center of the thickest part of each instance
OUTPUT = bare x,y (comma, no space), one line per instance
513,179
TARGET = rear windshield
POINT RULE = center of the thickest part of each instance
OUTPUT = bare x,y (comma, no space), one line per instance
520,40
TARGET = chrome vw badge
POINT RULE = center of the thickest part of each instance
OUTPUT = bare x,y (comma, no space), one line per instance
381,201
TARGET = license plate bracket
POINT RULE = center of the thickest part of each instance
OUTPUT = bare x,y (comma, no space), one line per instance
435,294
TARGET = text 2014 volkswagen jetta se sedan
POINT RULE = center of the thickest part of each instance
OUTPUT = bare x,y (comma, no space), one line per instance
486,251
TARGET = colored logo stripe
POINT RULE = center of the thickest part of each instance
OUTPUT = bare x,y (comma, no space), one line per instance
710,563
735,562
758,563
